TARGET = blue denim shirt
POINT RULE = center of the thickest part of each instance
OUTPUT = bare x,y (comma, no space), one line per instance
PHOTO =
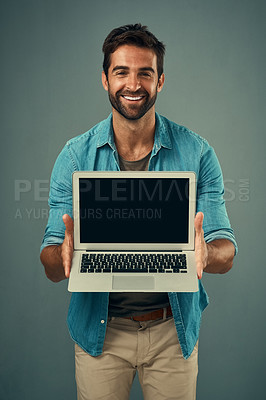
175,149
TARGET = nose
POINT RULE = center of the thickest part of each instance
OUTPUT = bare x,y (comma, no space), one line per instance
133,82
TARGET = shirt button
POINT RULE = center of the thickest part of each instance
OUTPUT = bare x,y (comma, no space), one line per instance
102,321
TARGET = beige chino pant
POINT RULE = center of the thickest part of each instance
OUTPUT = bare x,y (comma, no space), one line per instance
151,348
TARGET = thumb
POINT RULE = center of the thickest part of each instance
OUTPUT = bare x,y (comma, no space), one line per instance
68,221
198,222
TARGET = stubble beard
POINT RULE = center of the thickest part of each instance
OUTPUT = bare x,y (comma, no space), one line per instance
133,111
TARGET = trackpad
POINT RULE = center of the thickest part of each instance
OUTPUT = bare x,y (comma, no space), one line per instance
133,282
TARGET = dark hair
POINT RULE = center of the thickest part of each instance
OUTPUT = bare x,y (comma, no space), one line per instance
137,35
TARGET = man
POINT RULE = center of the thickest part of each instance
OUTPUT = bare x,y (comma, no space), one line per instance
155,334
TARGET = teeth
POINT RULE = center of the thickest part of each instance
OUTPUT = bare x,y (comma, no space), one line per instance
132,98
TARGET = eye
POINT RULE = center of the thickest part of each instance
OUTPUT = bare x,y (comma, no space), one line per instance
121,73
145,74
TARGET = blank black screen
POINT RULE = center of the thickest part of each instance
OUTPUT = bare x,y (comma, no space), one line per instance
134,210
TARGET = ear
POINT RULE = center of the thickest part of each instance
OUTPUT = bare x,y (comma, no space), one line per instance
160,83
104,81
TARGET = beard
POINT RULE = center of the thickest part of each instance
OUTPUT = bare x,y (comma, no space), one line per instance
132,111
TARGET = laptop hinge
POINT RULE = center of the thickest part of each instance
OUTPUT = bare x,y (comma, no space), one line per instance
136,251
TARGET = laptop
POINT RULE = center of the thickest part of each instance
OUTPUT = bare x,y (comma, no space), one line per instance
133,232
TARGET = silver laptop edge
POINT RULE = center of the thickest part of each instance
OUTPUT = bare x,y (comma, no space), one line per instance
134,246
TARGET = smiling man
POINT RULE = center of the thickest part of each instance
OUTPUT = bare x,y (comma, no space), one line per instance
155,334
133,81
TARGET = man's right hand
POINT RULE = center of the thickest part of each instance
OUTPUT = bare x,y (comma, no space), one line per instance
57,259
67,246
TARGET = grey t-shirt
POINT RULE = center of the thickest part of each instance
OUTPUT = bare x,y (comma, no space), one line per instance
129,304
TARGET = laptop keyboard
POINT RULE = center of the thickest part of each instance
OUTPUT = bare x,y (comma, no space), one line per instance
133,262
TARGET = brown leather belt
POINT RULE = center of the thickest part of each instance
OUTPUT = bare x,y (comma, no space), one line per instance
152,315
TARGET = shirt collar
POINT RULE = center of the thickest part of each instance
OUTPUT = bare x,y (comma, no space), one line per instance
106,133
161,138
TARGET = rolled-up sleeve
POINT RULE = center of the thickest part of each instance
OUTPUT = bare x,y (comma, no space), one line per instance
210,198
60,199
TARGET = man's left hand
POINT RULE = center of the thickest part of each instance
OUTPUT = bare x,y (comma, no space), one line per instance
201,250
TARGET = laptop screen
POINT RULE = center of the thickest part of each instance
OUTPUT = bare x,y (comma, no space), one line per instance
134,210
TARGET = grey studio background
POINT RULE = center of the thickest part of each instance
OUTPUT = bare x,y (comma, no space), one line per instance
51,91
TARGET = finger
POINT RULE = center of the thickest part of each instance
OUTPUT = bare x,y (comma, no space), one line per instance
199,273
67,261
67,268
200,267
68,221
198,221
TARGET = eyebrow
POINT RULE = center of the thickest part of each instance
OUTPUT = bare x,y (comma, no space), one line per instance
127,68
